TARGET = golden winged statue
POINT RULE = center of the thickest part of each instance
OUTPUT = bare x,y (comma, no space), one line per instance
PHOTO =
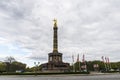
55,22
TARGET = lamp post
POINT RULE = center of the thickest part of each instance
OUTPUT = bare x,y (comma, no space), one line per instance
36,66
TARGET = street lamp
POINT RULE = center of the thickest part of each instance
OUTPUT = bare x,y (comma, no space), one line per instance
36,66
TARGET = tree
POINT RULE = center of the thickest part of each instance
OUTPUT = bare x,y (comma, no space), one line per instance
28,69
18,66
10,59
2,67
8,62
89,65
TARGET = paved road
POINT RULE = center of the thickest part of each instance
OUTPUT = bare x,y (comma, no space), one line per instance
63,77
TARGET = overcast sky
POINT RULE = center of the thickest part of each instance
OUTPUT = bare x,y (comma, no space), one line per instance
89,27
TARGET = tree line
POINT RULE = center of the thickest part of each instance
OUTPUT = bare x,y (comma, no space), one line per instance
11,65
96,65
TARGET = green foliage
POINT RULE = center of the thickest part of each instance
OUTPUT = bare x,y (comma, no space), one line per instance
34,69
11,65
2,67
113,65
17,66
29,69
